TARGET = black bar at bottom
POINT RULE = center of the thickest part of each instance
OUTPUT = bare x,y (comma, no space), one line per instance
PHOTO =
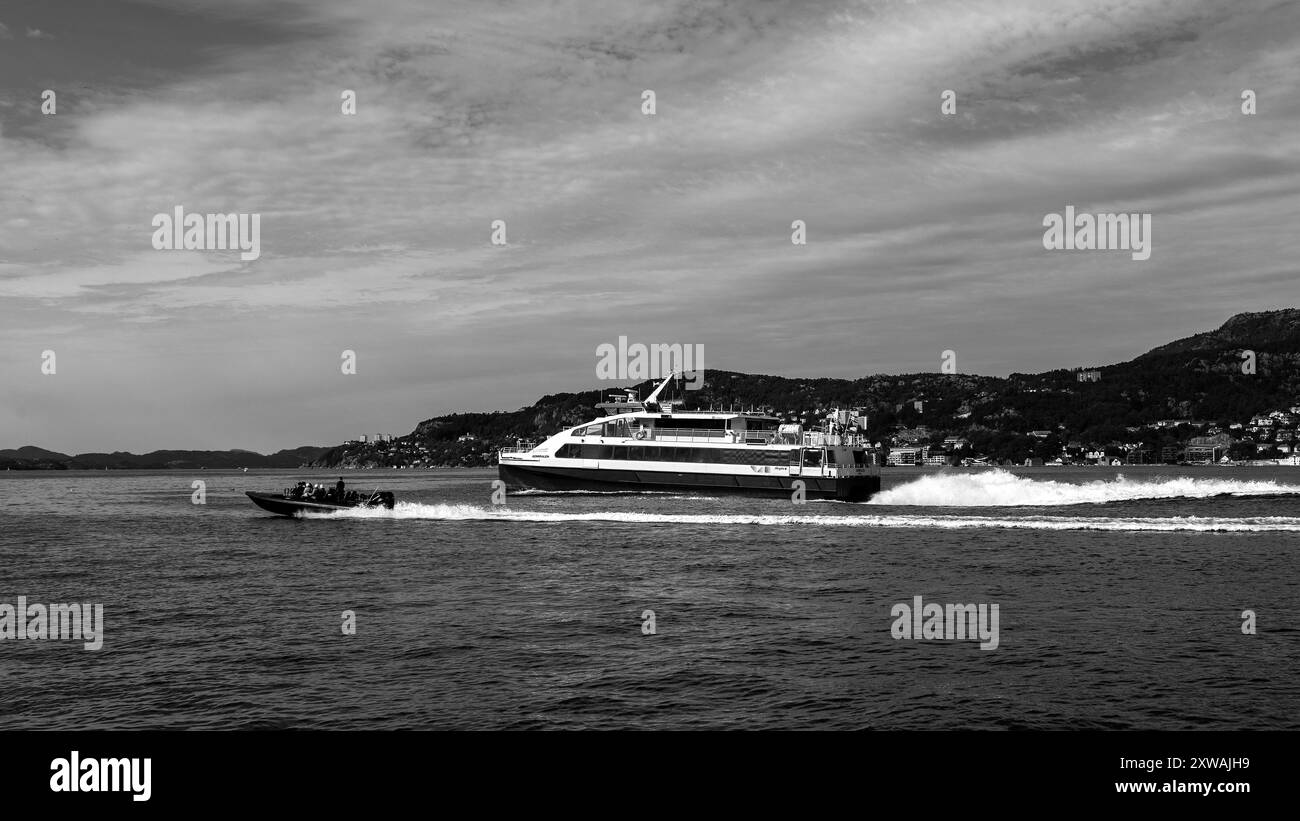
620,772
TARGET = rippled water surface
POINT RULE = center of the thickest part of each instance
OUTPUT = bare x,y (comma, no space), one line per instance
1120,596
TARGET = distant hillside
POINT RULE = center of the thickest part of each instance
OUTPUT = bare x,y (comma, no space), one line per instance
32,452
31,457
1266,331
1197,379
34,458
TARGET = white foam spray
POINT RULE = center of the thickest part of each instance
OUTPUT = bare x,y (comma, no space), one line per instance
996,488
999,488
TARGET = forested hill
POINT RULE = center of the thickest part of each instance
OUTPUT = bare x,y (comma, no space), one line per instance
1197,379
34,458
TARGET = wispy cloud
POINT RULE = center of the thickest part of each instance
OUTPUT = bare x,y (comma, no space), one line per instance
924,230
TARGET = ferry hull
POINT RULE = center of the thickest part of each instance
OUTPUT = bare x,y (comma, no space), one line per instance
537,477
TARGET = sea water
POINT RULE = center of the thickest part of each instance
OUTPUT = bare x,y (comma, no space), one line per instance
1139,597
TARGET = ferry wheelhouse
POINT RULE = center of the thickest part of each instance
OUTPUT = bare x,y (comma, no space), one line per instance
652,445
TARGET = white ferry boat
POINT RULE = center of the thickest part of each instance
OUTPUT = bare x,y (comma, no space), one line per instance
651,445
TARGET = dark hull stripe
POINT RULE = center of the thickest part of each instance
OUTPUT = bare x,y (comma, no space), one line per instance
534,477
277,503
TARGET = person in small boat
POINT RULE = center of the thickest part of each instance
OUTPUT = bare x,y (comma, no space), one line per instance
339,495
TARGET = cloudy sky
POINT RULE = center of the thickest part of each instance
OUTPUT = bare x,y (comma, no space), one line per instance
924,230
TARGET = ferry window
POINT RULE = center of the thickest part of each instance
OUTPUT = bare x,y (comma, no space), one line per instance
636,453
620,451
830,457
597,451
812,458
859,457
568,452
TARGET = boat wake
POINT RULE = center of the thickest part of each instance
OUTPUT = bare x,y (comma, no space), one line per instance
999,488
504,513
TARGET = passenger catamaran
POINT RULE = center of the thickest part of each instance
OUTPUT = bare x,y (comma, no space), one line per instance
651,445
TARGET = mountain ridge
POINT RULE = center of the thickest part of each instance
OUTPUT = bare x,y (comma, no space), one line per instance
30,457
1199,378
1196,379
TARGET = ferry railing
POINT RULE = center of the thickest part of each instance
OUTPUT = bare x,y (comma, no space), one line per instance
811,439
686,435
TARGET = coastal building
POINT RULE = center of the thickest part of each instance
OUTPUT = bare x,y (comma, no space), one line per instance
907,456
1208,448
1088,376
